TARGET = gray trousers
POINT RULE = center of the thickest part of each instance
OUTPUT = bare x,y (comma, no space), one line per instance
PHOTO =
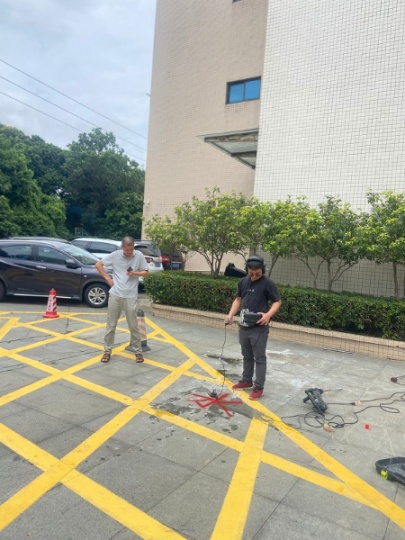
253,343
116,306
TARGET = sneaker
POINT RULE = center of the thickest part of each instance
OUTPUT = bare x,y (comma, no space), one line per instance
242,384
257,393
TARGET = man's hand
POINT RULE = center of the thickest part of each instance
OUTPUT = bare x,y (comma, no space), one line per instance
229,319
264,320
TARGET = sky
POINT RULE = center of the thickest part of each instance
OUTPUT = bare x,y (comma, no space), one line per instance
98,52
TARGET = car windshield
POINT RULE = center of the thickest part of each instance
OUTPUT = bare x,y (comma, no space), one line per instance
80,254
154,250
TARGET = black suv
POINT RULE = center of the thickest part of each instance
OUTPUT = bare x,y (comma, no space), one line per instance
32,267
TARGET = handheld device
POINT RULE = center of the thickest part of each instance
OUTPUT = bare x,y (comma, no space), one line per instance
129,269
249,318
314,396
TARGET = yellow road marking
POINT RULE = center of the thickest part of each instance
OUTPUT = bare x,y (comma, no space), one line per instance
7,327
284,465
57,471
119,509
351,485
230,524
83,450
366,492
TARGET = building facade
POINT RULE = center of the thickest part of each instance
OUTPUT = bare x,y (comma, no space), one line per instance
200,47
330,118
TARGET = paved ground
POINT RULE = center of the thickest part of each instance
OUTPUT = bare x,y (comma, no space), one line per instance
125,451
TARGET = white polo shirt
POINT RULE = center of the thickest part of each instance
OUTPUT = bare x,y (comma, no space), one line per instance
125,286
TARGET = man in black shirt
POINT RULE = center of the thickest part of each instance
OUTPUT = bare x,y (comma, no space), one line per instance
257,300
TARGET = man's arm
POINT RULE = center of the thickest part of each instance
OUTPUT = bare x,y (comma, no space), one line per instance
234,310
101,270
139,273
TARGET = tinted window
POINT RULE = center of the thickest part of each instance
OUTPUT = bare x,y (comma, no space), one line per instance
80,254
21,252
145,251
152,248
102,247
50,255
81,243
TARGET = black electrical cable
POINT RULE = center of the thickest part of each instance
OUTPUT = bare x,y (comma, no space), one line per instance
67,111
72,99
332,421
57,119
214,393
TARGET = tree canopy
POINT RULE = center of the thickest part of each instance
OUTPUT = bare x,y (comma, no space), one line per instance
331,234
46,190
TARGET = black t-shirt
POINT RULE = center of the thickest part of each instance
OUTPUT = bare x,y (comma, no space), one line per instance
256,295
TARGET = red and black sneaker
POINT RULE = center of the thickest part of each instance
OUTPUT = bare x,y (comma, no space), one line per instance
242,384
257,393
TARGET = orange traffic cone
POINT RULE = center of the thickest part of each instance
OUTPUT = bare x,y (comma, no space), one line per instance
142,330
51,312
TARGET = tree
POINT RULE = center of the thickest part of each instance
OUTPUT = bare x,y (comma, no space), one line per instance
329,234
100,181
25,209
210,227
167,234
46,161
383,232
125,219
283,223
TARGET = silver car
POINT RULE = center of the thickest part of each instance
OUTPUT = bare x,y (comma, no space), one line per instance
100,247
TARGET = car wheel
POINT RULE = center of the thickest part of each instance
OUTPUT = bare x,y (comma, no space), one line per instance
96,295
2,292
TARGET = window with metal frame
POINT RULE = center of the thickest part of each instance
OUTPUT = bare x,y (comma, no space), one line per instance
246,90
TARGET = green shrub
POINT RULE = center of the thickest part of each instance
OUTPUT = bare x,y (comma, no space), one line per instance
343,312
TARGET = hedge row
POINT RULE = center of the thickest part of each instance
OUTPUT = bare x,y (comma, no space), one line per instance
344,312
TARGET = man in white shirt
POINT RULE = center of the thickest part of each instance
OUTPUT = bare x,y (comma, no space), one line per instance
128,266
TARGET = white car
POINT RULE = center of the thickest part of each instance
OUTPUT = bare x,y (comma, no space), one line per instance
100,247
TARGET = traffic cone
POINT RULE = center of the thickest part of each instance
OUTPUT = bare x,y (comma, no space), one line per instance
140,315
51,312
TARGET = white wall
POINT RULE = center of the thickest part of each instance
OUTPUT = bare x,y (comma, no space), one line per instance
332,115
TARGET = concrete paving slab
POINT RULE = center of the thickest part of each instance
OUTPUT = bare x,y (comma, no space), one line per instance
140,428
10,409
125,534
294,524
193,507
13,379
260,511
320,504
119,449
141,478
14,473
176,445
36,425
62,443
128,386
62,515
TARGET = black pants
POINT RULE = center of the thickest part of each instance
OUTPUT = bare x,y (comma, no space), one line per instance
253,342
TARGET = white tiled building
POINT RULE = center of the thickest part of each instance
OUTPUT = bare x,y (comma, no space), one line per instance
330,118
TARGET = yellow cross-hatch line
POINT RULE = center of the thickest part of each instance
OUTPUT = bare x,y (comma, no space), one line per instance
251,452
231,524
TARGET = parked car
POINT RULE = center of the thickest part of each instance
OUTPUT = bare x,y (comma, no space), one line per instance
172,260
33,266
100,247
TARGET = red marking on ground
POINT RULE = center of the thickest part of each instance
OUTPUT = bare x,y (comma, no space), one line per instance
206,401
